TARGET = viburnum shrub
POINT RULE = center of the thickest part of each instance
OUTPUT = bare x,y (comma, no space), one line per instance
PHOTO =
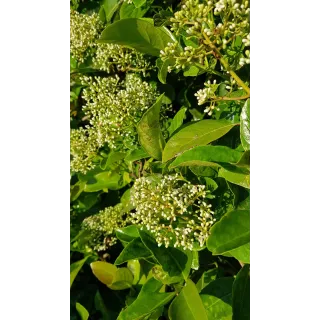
160,159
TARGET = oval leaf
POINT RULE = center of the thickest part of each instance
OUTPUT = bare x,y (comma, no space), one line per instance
245,126
188,304
177,121
105,272
175,262
137,34
231,232
197,134
207,156
122,280
241,295
242,253
83,312
217,299
148,300
241,179
149,131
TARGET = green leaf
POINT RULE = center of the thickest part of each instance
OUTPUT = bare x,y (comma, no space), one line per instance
241,295
196,134
123,279
130,11
135,155
175,262
245,125
244,161
177,121
137,34
115,156
127,234
192,71
103,180
75,268
195,260
241,179
134,250
206,156
76,190
162,69
135,268
241,253
139,3
110,7
217,299
206,278
126,201
231,232
188,305
245,204
149,131
83,313
148,300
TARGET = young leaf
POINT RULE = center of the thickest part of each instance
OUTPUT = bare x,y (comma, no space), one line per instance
245,125
187,305
137,34
217,299
123,279
177,121
231,232
206,156
134,250
83,312
148,300
197,134
241,179
105,272
149,131
175,262
241,295
75,268
135,268
103,180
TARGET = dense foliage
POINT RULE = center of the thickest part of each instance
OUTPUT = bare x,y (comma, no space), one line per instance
160,159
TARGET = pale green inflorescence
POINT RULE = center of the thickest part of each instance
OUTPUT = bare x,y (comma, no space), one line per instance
85,30
174,210
221,21
101,227
114,108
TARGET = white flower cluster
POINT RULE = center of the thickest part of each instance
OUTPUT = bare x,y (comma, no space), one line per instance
206,94
113,108
173,209
84,31
112,57
101,227
221,21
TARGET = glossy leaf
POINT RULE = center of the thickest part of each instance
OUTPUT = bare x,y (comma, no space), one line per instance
75,268
197,134
241,179
177,121
245,125
105,272
217,299
82,311
245,204
207,156
148,300
149,131
231,232
135,268
176,262
134,250
188,305
127,234
241,295
129,10
137,34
